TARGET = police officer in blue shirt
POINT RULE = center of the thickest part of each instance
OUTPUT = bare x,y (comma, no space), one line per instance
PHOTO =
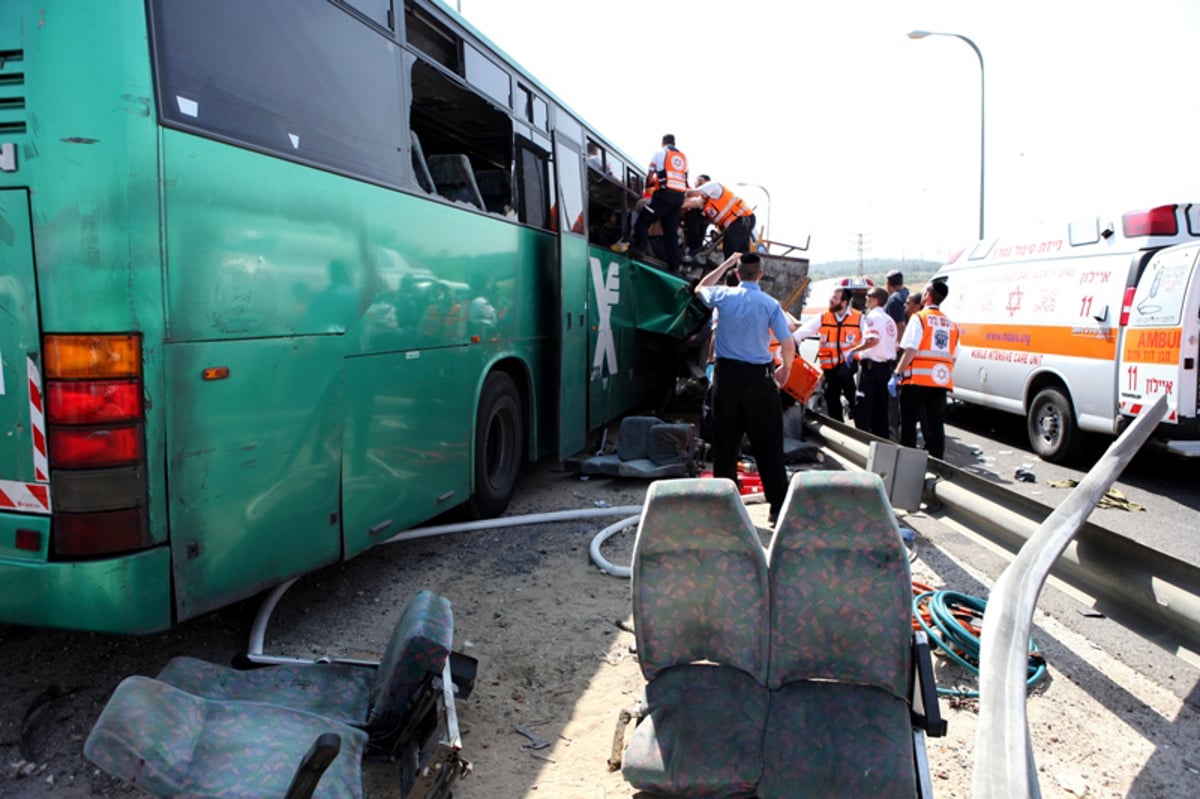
746,380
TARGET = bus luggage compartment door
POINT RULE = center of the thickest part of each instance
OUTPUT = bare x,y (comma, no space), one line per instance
24,476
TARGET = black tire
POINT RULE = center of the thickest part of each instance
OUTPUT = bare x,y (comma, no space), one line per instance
499,447
1053,434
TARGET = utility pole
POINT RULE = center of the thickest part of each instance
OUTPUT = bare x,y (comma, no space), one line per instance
860,255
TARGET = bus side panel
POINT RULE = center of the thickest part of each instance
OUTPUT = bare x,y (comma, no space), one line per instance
625,369
254,462
408,440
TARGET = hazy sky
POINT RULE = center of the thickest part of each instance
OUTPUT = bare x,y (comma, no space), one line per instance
853,128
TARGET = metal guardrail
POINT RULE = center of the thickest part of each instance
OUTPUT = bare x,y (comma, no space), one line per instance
1150,584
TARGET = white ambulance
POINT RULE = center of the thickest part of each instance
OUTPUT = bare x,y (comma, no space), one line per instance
1077,328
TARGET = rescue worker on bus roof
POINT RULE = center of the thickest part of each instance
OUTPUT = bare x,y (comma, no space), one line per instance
670,166
726,210
839,331
925,373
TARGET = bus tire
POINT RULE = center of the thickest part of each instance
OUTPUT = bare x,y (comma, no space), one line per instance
1051,426
499,447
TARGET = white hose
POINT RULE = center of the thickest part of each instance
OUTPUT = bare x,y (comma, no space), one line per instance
259,629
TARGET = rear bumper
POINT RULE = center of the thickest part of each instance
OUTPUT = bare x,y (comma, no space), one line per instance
130,594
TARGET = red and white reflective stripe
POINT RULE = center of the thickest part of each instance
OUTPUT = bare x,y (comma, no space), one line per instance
30,497
37,419
1135,409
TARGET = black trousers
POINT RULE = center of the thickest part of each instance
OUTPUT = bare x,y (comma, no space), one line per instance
839,382
746,402
871,401
928,405
665,206
737,235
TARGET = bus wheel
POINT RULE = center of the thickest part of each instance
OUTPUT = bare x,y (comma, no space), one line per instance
1052,431
499,446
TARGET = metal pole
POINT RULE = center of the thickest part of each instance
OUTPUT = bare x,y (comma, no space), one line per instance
763,189
982,107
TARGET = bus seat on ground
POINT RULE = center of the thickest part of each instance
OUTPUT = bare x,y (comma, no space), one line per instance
420,166
452,174
647,447
701,617
373,699
171,743
403,707
841,720
495,187
795,673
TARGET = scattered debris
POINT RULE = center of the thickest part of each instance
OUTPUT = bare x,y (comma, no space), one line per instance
1113,498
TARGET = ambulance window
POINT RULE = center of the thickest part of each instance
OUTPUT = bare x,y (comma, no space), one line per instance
1158,300
1193,219
1084,231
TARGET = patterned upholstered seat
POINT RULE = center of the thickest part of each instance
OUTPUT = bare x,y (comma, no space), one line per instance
647,448
205,730
701,618
374,699
841,644
171,743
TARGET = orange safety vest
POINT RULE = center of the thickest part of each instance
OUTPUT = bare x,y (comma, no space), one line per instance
837,337
674,173
933,361
725,209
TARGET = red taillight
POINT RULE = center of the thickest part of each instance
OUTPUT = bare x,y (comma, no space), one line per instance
95,421
89,448
88,534
1158,221
94,401
1127,305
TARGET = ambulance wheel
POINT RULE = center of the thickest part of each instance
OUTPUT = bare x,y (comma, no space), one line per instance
1052,430
499,447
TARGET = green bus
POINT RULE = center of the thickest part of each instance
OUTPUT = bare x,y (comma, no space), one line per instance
280,279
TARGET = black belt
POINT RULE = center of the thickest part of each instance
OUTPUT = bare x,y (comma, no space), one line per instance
867,363
746,368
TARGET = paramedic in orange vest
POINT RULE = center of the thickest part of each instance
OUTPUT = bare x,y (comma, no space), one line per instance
724,209
839,330
671,168
925,372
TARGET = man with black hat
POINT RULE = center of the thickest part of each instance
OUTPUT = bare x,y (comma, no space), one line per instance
746,380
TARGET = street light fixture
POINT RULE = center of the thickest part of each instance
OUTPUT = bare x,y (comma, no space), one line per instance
763,189
979,55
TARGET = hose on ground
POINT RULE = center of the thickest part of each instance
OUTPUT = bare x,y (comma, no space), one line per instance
952,621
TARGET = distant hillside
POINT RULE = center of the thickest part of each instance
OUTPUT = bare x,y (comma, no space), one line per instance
915,272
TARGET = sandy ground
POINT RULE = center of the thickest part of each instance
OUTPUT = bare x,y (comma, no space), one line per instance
552,634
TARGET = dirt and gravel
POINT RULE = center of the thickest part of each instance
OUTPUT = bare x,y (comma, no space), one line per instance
552,636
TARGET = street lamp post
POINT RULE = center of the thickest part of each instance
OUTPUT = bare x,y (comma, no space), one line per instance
979,55
763,189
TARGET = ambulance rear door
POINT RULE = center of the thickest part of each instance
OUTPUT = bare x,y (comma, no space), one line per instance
1159,347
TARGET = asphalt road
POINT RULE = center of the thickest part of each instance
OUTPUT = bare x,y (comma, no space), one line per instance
994,446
